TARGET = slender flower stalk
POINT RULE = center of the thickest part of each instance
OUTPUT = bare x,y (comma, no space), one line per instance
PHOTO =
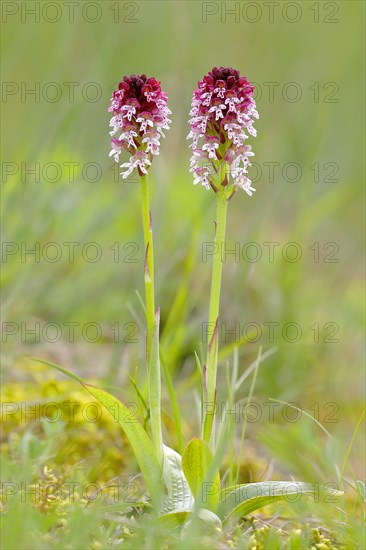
210,369
140,114
223,112
148,262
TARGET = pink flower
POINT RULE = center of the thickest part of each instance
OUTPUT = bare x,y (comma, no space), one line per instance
140,113
223,111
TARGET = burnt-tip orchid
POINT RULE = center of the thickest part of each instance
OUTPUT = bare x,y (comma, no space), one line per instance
140,114
223,112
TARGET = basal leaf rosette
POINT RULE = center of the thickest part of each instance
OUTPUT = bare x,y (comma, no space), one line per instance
223,112
140,114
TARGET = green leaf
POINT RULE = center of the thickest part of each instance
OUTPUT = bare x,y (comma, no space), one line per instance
140,442
174,519
174,403
138,438
202,475
57,367
237,502
361,489
177,494
211,521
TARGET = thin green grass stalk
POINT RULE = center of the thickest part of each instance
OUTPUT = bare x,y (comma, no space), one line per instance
141,400
231,383
346,461
305,413
175,325
244,427
140,301
234,386
252,366
149,263
212,331
328,434
174,404
350,449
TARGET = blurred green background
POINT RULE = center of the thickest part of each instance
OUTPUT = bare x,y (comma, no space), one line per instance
312,54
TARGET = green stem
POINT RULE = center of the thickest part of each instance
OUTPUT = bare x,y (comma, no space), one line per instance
154,381
153,320
209,379
149,264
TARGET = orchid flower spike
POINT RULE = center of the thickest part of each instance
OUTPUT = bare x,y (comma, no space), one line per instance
223,111
140,114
